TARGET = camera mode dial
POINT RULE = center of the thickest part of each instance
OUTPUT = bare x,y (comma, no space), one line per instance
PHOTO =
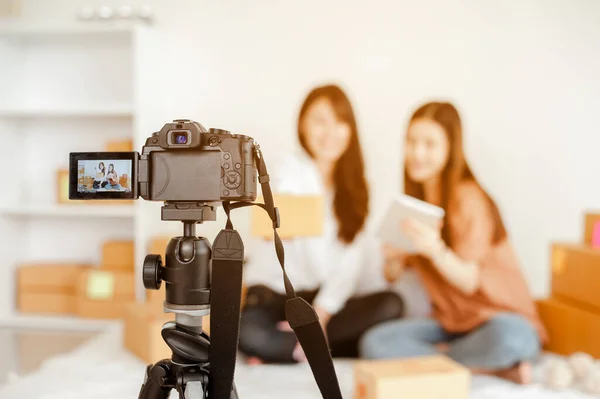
212,130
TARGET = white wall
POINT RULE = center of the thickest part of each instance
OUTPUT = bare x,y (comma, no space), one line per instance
524,74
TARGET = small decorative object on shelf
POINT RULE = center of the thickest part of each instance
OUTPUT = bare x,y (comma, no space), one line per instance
86,13
146,13
105,12
125,12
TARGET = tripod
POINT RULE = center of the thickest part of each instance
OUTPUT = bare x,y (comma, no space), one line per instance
187,274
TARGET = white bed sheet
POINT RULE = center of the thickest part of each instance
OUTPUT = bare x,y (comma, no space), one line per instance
102,369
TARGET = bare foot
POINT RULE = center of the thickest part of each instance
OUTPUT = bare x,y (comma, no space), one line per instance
253,361
519,374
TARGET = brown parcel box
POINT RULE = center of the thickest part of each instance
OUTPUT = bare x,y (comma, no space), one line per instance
119,146
118,255
591,219
46,302
47,288
301,216
142,335
430,377
576,274
103,294
570,329
53,278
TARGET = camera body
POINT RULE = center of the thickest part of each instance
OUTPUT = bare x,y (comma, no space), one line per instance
183,163
186,162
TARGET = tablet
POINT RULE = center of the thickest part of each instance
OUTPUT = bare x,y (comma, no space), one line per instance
401,208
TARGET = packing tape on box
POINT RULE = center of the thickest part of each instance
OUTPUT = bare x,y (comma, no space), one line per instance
100,285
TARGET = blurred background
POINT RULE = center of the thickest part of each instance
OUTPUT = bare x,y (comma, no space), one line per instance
524,75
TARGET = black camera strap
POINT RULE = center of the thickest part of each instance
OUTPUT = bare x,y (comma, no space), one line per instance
226,287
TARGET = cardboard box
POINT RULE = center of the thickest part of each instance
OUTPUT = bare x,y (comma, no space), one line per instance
592,222
118,255
120,146
576,274
102,294
49,278
46,303
100,309
301,216
570,329
430,377
142,333
62,187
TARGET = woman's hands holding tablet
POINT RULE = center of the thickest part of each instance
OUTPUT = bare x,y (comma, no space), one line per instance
425,239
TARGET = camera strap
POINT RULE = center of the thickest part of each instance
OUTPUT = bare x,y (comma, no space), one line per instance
226,287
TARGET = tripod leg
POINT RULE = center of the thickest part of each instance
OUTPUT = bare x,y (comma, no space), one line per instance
153,388
194,390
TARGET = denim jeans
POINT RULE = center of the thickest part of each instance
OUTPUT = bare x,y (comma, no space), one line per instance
504,341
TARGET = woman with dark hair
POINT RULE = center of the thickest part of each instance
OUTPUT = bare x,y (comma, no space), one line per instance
325,270
482,309
100,178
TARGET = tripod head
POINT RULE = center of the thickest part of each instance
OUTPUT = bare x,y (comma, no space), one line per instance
186,269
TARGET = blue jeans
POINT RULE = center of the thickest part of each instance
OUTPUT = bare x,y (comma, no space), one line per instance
113,187
503,342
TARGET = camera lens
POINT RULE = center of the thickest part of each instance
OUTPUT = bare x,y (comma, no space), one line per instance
180,138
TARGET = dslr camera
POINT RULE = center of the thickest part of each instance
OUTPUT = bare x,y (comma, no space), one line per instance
184,165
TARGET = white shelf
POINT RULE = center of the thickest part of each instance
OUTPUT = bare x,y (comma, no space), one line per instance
37,31
64,323
89,112
89,211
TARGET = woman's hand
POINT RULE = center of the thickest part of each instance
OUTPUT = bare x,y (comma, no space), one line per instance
391,253
426,240
395,260
392,270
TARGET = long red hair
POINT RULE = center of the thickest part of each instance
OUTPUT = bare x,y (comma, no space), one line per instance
351,193
456,171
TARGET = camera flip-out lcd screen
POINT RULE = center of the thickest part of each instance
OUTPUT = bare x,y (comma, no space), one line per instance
110,175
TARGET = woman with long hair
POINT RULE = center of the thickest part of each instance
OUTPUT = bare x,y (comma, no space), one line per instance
325,270
100,178
483,312
112,178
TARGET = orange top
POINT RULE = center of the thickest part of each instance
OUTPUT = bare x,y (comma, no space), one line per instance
502,287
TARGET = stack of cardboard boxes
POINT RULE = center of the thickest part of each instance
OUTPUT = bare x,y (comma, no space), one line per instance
572,313
48,288
104,291
81,290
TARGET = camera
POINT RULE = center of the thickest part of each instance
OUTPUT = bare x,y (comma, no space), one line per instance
190,169
184,165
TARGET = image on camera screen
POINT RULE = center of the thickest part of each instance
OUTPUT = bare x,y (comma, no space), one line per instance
104,175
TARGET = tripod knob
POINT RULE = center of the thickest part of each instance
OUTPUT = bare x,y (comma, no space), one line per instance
152,272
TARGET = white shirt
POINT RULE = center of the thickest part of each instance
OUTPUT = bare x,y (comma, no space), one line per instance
323,262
